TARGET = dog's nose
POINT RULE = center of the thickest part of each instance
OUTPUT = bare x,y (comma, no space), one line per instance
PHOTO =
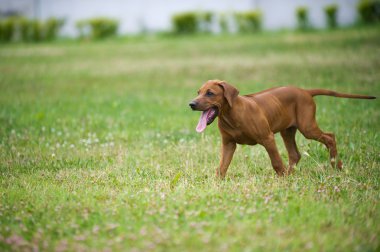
193,104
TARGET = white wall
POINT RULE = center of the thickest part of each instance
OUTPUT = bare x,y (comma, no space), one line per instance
281,14
152,15
155,15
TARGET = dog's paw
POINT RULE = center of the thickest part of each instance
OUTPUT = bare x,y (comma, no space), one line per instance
219,175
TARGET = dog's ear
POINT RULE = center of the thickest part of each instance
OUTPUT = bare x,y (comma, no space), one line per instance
230,92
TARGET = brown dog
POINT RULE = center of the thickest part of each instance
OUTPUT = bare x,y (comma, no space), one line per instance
255,118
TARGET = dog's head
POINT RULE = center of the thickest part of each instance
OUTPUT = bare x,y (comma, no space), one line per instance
212,98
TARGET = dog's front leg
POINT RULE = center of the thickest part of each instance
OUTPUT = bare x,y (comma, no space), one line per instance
228,149
275,158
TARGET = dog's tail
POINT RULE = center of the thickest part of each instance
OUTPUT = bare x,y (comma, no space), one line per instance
314,92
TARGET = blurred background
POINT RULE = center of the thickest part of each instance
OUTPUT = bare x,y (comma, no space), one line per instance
156,16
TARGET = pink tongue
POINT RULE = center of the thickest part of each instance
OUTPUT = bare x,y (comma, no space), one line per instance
202,124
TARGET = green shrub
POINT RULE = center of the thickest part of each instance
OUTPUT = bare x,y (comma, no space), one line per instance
97,28
1,31
52,27
24,28
249,21
8,29
331,12
302,14
103,27
36,30
254,20
185,22
369,11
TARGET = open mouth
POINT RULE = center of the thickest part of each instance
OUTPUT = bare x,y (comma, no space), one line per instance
207,117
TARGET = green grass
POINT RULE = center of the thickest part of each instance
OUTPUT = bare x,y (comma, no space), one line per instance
98,148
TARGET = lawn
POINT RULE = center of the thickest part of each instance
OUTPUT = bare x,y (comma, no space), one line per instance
98,148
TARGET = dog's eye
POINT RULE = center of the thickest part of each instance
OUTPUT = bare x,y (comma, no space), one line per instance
209,93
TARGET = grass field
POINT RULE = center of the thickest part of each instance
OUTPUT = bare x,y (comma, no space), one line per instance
98,149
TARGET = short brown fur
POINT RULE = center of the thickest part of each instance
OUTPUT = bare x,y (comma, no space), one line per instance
255,118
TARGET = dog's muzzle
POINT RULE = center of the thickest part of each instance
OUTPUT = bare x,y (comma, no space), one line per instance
193,105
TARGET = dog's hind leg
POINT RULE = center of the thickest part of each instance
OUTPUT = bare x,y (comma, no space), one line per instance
328,139
308,126
334,160
289,137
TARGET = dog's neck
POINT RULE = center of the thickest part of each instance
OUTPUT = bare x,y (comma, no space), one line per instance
226,116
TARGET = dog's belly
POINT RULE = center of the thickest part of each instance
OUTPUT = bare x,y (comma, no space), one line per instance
240,137
245,140
280,125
